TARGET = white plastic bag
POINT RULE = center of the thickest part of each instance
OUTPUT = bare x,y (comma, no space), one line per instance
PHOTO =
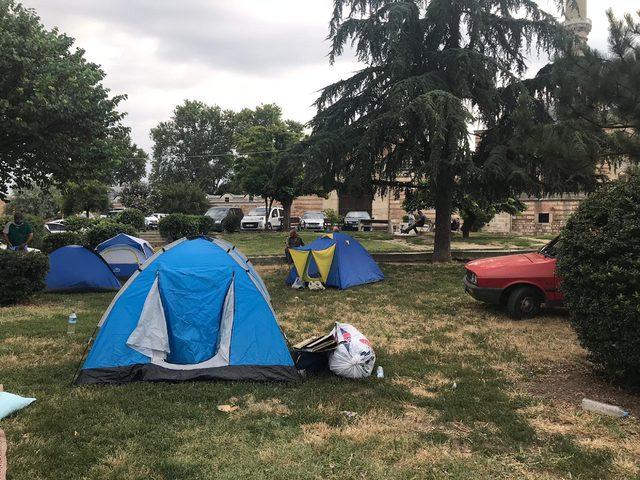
297,284
354,357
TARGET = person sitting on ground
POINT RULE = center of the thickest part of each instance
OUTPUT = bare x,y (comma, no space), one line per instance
421,220
293,241
17,234
336,228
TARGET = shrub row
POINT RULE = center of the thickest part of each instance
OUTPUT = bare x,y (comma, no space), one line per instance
23,274
178,225
90,237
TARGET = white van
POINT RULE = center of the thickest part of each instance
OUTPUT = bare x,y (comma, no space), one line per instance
255,220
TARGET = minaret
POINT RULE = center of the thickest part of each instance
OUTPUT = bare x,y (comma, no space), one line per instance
576,18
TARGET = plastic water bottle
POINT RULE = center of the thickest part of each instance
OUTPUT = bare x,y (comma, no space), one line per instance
380,372
603,408
71,324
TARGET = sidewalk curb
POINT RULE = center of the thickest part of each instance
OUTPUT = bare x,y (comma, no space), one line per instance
406,257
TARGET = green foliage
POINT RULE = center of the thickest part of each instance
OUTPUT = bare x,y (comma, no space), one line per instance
87,197
231,223
133,217
137,195
77,223
130,161
23,274
333,218
273,165
54,241
104,230
194,147
43,203
179,197
599,263
57,120
178,225
430,66
206,225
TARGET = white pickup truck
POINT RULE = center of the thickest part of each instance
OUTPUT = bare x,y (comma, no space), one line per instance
256,220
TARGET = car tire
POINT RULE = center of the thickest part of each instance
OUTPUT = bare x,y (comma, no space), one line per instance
524,302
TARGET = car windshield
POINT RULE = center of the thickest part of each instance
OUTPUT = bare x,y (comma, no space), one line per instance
314,215
217,213
551,248
258,212
358,215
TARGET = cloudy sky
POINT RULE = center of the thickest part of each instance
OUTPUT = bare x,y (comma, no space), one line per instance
234,53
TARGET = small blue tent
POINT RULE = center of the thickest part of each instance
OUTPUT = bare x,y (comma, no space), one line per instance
77,269
335,259
125,254
197,310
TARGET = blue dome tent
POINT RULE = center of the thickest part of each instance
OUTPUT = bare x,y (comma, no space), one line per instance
125,254
196,310
335,259
77,269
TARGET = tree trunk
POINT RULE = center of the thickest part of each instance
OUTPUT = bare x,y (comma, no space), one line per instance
466,232
268,214
443,204
286,221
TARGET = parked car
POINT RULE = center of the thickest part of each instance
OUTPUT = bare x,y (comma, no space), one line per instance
313,221
352,220
255,220
55,226
218,214
152,220
521,283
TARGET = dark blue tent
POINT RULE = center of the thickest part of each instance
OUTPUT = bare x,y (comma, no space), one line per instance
125,254
78,269
197,310
335,259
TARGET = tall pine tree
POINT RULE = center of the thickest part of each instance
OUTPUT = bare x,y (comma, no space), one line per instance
432,67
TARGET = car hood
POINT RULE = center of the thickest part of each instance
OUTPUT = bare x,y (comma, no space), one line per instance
253,218
508,261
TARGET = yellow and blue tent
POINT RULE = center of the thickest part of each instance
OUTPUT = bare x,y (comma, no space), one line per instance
335,259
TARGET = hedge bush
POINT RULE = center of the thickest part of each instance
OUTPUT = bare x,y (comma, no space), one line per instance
76,223
599,264
206,224
133,217
178,225
37,225
104,230
54,241
23,275
231,223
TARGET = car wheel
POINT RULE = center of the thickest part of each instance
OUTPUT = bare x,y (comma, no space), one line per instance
524,302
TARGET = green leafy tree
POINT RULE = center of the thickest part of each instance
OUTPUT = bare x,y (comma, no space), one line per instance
91,196
57,120
431,67
179,197
137,195
41,202
195,146
273,165
130,161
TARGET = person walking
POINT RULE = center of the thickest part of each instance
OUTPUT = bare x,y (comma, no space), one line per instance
420,221
17,234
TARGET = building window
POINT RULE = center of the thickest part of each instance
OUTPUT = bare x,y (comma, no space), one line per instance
226,199
544,218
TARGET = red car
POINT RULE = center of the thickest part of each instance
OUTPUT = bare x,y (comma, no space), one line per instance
522,282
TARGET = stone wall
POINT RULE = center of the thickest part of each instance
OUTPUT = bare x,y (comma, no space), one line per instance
534,220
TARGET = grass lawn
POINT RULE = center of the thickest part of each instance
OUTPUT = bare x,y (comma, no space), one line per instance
257,243
513,414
